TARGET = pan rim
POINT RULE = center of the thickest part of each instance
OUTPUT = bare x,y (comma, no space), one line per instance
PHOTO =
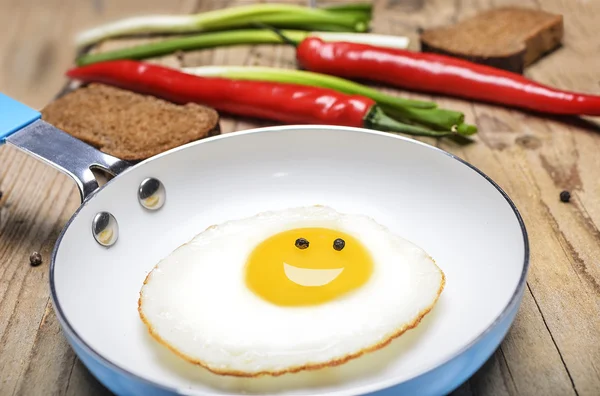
507,310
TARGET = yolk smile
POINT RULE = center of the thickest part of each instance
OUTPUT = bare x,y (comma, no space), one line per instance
284,274
310,277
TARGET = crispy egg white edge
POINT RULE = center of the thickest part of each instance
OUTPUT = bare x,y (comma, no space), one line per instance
206,314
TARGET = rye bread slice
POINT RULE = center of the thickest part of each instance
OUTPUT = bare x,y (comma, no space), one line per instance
509,38
128,125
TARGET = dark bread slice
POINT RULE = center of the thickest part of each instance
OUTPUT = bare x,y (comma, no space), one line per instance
128,125
509,38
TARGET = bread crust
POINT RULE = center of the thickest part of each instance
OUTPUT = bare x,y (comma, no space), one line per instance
128,125
509,38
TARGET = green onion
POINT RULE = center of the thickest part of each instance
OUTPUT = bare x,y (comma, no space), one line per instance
381,121
380,40
405,110
362,11
435,118
291,76
298,21
350,7
281,15
234,37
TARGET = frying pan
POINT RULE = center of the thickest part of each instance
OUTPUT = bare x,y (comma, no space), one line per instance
123,228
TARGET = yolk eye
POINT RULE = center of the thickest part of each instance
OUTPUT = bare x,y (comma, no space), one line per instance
339,244
301,243
285,271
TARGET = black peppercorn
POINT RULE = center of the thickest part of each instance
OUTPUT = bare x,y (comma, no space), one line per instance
565,196
301,243
339,244
35,259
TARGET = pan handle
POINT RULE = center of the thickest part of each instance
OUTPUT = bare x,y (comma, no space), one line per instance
23,128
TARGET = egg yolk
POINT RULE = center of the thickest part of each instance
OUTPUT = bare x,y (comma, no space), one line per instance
285,274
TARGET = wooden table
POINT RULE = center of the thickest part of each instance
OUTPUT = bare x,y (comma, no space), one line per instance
553,347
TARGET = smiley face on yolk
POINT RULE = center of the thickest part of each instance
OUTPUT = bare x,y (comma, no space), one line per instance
287,273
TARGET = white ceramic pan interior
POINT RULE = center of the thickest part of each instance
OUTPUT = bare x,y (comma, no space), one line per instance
421,193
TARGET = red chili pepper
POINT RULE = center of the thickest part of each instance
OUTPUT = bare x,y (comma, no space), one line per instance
287,103
440,74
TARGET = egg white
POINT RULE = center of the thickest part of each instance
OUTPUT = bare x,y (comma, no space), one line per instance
196,302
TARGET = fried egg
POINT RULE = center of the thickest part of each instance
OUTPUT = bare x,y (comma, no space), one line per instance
283,291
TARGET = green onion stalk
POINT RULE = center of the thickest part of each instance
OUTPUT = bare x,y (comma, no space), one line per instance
418,113
350,19
234,37
351,7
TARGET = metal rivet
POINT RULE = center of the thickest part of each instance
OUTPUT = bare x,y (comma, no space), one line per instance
105,229
152,194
